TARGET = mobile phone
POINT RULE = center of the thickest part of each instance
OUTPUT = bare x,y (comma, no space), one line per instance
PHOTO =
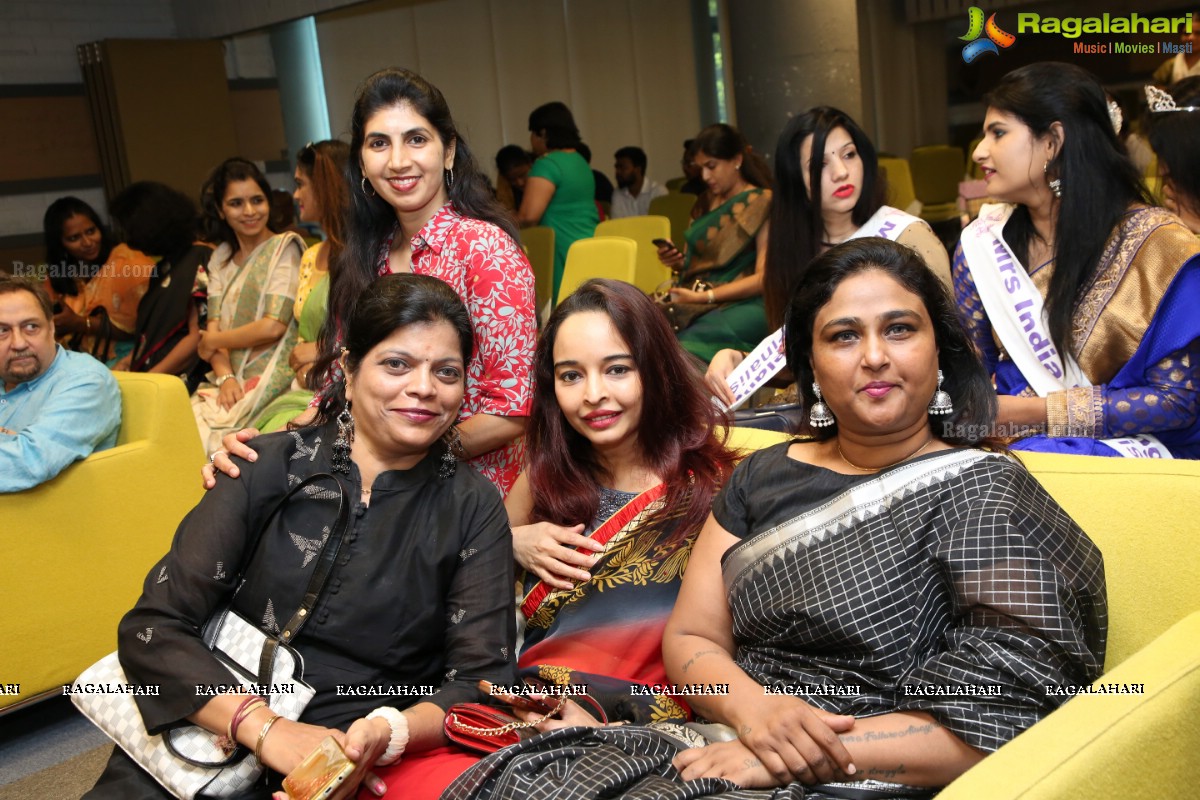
667,243
320,773
523,702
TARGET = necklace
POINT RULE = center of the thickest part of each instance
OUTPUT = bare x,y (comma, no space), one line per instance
914,453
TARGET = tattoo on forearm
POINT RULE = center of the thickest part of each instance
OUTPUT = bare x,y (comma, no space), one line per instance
879,736
751,763
697,655
883,773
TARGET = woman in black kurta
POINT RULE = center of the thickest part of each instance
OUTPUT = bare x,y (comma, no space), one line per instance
418,607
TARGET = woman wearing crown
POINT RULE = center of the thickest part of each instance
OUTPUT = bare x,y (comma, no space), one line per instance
1078,293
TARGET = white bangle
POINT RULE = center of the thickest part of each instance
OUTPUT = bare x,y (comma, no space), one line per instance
399,725
220,380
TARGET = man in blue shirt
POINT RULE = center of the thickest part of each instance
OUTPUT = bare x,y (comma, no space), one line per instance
56,406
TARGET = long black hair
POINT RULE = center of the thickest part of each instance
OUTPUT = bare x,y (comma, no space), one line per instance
1174,136
212,195
390,304
797,226
155,218
966,379
64,267
369,217
1099,181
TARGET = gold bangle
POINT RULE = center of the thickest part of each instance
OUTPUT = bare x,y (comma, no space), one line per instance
1056,414
262,735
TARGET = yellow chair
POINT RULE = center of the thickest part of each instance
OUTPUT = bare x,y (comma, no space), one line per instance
649,271
1139,746
936,172
84,541
900,192
675,184
974,171
677,208
612,257
538,242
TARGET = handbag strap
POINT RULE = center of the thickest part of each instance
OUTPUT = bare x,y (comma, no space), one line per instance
328,556
316,582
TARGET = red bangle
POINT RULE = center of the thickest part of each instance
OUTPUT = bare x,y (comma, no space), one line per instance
244,710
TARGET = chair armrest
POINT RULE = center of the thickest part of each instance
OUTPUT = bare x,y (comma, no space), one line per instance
1108,745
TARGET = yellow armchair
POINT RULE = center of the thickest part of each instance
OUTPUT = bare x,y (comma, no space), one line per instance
1140,513
83,542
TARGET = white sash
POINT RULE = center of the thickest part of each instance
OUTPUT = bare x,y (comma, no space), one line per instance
886,223
766,360
1017,314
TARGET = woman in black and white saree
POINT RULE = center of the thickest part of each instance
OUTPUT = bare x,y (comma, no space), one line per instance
871,610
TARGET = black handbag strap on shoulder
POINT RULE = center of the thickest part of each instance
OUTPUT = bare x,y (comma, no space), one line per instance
316,582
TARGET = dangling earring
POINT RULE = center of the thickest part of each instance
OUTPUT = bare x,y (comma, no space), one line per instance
362,184
819,415
340,462
941,403
450,178
1055,184
454,448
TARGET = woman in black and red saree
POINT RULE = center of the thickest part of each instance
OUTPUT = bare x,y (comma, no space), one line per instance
871,611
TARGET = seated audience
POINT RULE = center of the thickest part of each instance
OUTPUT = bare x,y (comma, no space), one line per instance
158,219
512,170
97,282
623,465
322,196
420,593
1076,291
1175,137
561,187
717,298
879,565
56,406
604,187
251,286
824,147
634,190
694,180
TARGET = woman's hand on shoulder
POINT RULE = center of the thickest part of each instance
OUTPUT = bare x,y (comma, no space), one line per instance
719,370
232,444
548,550
364,743
733,761
797,742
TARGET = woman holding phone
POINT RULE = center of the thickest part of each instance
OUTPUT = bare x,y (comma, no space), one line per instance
717,300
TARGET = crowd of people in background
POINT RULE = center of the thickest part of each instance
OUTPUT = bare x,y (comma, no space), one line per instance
399,357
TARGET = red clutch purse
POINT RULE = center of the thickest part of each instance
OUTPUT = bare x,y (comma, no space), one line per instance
485,729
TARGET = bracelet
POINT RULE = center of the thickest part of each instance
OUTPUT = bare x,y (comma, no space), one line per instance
228,743
399,739
220,379
262,735
712,298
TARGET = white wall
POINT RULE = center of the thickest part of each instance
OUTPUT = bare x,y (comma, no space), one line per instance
625,67
38,39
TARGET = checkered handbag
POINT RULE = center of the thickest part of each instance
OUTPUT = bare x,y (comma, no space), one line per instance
187,760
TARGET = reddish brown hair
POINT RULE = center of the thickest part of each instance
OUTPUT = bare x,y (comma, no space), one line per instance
676,433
